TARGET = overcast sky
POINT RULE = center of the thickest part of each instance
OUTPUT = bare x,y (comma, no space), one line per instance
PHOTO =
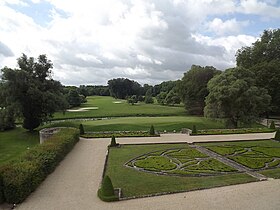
92,41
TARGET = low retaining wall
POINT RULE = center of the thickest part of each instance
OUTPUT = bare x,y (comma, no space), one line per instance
46,133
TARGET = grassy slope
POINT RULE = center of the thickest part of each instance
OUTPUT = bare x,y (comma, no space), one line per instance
144,123
14,142
135,183
107,107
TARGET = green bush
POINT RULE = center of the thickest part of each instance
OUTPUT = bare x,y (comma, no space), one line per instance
194,131
277,135
106,192
152,130
23,175
272,125
113,142
82,131
2,199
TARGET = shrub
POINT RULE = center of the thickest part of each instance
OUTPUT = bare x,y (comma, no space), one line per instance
106,192
81,128
24,175
277,135
2,199
152,130
113,142
194,131
272,125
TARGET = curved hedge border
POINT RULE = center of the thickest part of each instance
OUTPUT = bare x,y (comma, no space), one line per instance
23,175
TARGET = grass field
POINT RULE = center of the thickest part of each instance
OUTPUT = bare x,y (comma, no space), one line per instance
14,142
139,183
143,123
105,106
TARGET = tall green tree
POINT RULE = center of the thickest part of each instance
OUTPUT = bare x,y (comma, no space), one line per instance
233,95
74,98
32,90
263,58
123,87
193,87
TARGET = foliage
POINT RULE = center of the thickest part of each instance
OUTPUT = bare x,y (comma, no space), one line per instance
194,131
32,90
254,163
148,97
161,98
193,88
277,135
155,163
106,192
7,118
152,130
24,175
234,131
122,88
234,96
272,125
118,134
263,59
165,86
132,100
81,128
74,98
2,198
172,98
113,142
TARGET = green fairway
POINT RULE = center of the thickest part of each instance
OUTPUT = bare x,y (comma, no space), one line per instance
14,142
144,123
139,183
105,106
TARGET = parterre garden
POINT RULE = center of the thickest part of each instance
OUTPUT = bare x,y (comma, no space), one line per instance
141,170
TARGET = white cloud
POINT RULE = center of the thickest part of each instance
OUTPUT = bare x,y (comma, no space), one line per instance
231,26
149,41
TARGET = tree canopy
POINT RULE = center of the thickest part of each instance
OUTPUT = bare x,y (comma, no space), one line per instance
193,87
263,58
233,95
31,90
123,87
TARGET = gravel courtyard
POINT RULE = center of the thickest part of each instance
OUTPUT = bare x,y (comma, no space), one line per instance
74,183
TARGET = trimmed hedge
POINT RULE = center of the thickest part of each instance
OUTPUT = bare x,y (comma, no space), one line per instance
277,135
233,131
23,175
119,134
2,199
106,192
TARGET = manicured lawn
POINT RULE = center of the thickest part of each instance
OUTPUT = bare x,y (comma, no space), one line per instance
140,183
144,123
14,142
105,106
253,154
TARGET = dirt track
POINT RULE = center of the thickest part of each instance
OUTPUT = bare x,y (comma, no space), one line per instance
74,183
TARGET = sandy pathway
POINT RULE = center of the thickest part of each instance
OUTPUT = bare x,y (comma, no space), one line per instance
73,185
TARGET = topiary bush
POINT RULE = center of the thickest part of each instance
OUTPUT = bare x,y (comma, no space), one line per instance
23,175
113,142
194,131
277,135
152,130
81,128
272,125
106,192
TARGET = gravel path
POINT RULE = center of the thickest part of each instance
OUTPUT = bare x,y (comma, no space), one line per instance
74,183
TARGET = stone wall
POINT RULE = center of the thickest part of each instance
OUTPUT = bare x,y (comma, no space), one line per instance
46,133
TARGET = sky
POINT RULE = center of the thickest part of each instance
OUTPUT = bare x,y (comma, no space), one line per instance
150,41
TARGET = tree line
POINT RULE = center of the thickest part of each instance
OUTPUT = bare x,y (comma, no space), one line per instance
238,95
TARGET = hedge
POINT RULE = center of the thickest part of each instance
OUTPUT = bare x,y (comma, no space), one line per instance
23,175
106,192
